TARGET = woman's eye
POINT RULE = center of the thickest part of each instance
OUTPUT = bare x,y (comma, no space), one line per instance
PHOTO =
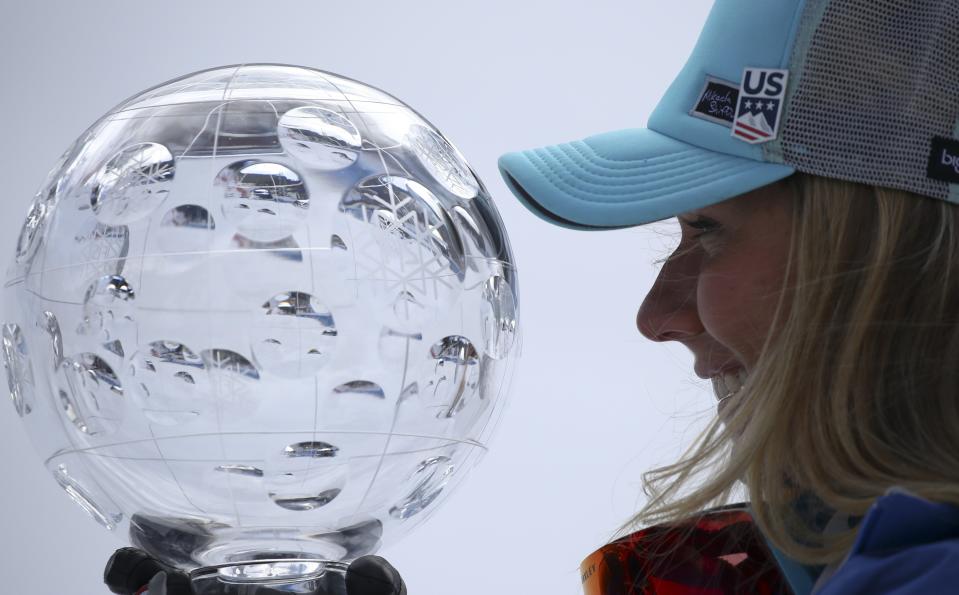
703,225
705,237
693,242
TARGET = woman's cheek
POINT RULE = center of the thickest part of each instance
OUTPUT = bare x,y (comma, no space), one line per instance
737,301
730,310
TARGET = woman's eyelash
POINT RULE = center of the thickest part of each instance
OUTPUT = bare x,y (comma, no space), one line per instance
705,227
702,224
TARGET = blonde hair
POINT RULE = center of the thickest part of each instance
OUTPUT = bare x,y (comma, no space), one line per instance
857,387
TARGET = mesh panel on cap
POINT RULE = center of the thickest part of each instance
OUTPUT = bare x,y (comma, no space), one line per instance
872,82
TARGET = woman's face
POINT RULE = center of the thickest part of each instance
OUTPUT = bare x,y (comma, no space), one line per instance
717,292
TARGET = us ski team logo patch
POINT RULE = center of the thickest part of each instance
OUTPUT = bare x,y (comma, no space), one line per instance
760,104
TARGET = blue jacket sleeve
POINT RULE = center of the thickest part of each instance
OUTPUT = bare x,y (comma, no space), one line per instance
927,568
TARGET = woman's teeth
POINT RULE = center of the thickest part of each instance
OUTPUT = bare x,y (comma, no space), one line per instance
728,383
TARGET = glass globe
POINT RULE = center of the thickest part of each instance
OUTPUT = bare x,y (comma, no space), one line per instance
260,312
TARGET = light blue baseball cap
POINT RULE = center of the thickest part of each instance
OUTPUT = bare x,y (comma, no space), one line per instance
771,87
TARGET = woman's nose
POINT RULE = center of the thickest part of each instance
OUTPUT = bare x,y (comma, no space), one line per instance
670,312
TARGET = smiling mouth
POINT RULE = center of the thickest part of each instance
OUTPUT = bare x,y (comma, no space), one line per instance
727,385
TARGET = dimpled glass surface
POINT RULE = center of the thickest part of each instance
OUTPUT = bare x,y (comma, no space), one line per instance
257,312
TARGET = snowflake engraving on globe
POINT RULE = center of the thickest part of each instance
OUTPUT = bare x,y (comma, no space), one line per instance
260,312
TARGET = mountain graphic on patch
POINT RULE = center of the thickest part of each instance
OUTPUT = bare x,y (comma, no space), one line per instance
755,120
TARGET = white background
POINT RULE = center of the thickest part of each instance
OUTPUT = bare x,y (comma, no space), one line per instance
593,403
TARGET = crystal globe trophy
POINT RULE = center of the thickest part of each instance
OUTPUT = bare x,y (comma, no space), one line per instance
260,320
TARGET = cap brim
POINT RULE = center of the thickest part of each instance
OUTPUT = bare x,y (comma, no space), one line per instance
627,178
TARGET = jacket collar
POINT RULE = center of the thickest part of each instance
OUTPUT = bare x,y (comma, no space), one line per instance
899,519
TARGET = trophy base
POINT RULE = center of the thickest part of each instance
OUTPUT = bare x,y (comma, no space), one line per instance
271,577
